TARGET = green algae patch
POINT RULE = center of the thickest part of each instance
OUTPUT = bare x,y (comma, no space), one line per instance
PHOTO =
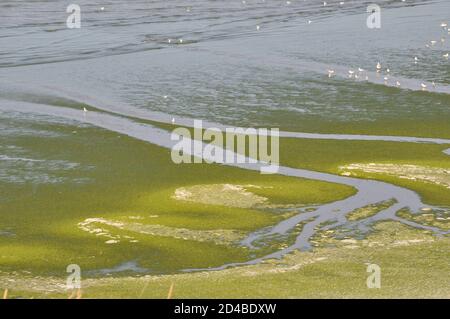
429,217
99,227
221,194
40,226
369,210
263,195
432,175
413,264
416,159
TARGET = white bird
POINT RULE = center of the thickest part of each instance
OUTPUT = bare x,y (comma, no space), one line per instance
257,27
360,70
416,59
84,110
423,85
330,73
180,40
367,78
102,8
442,40
342,3
324,3
443,25
288,2
356,76
173,120
350,73
386,79
397,83
165,96
433,42
445,55
169,40
388,70
378,67
434,84
309,21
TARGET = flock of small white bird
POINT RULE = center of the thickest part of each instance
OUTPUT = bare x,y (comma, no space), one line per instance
357,75
331,73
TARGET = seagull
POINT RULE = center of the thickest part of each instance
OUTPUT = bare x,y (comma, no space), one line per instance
434,84
324,3
180,40
424,86
445,55
443,25
342,3
288,2
165,96
173,120
378,67
433,42
367,78
257,27
356,76
84,110
397,83
360,70
169,40
102,8
330,73
388,70
416,59
386,79
309,21
350,73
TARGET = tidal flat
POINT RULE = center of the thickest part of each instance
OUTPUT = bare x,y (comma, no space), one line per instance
87,178
150,215
414,264
145,190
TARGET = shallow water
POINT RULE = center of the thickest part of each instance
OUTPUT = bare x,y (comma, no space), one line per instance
226,71
126,267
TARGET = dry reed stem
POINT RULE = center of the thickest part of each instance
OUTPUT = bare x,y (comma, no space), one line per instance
169,296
